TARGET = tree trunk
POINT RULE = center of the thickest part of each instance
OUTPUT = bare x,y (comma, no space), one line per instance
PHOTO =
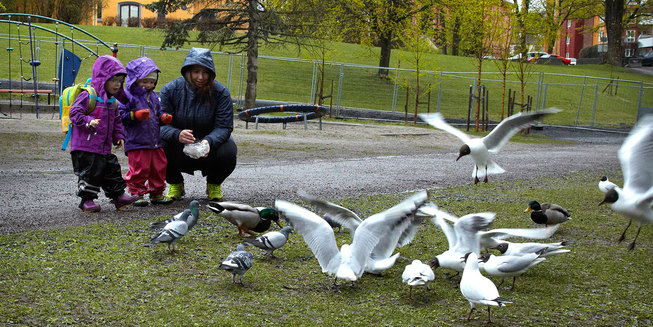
614,11
252,57
455,38
386,48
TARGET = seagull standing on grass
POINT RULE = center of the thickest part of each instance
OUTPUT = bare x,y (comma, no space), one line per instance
417,274
377,231
480,148
238,263
478,289
172,232
548,249
271,241
509,265
635,199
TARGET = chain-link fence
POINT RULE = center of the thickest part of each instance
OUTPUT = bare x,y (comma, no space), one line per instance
585,100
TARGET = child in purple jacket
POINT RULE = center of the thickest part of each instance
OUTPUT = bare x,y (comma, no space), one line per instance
94,133
142,117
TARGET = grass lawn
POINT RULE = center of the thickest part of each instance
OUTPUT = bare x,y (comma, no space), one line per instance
102,274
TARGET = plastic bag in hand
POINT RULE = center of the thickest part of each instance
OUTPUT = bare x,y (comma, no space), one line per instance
196,150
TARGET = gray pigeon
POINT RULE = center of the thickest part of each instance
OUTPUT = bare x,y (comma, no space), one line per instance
173,231
271,241
194,207
237,263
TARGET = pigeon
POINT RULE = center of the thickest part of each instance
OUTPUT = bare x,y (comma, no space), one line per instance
417,274
173,231
478,289
382,253
517,249
509,265
481,148
271,241
237,263
547,213
380,232
248,219
635,199
605,184
194,207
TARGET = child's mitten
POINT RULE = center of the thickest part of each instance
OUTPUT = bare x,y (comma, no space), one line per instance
142,114
166,118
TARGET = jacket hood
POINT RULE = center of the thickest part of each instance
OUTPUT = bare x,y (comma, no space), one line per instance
104,68
138,69
199,56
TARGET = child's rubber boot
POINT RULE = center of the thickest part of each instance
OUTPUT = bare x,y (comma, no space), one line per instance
159,199
176,191
214,191
89,206
123,200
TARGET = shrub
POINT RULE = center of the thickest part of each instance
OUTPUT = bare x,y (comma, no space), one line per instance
109,21
133,22
149,22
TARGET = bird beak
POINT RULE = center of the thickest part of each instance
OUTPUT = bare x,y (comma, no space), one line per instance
602,202
278,223
458,158
529,209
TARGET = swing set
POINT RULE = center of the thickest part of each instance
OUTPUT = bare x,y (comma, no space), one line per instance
67,61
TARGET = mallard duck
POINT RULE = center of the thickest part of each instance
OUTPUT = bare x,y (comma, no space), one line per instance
480,148
635,199
248,219
238,263
547,213
172,232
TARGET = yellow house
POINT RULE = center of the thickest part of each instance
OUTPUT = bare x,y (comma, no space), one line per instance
122,11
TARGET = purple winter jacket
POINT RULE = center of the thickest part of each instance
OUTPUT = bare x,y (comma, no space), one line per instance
110,129
141,134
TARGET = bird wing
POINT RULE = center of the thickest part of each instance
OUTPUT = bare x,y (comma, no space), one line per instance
467,230
271,240
503,233
436,120
388,228
172,231
339,214
317,233
511,125
636,156
512,263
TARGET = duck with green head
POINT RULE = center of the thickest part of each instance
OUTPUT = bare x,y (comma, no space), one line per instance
248,219
547,213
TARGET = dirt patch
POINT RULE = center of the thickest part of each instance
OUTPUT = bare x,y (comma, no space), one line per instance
37,184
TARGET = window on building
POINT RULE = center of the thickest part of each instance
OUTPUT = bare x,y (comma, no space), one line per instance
566,54
630,36
568,40
602,38
628,53
129,14
99,13
568,24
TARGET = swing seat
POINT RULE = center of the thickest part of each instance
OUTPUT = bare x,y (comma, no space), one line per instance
35,63
10,49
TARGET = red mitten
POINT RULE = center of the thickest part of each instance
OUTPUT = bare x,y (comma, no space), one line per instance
166,118
142,114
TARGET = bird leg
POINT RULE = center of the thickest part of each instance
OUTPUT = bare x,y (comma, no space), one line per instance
502,279
632,245
410,292
489,321
476,180
513,283
623,235
242,230
469,316
485,178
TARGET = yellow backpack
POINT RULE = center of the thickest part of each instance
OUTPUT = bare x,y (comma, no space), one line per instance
66,100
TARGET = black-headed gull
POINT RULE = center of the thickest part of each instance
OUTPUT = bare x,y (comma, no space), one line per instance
480,148
635,199
547,249
417,273
271,241
380,233
248,219
334,214
605,184
547,213
172,232
509,265
478,289
237,263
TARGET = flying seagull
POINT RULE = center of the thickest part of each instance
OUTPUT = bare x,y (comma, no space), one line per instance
481,148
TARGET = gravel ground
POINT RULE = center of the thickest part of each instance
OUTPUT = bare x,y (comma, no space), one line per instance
37,185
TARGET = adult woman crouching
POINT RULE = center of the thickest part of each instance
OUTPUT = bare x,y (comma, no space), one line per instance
202,111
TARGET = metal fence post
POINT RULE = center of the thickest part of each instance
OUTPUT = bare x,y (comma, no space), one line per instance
395,90
439,92
546,85
580,100
596,92
340,80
